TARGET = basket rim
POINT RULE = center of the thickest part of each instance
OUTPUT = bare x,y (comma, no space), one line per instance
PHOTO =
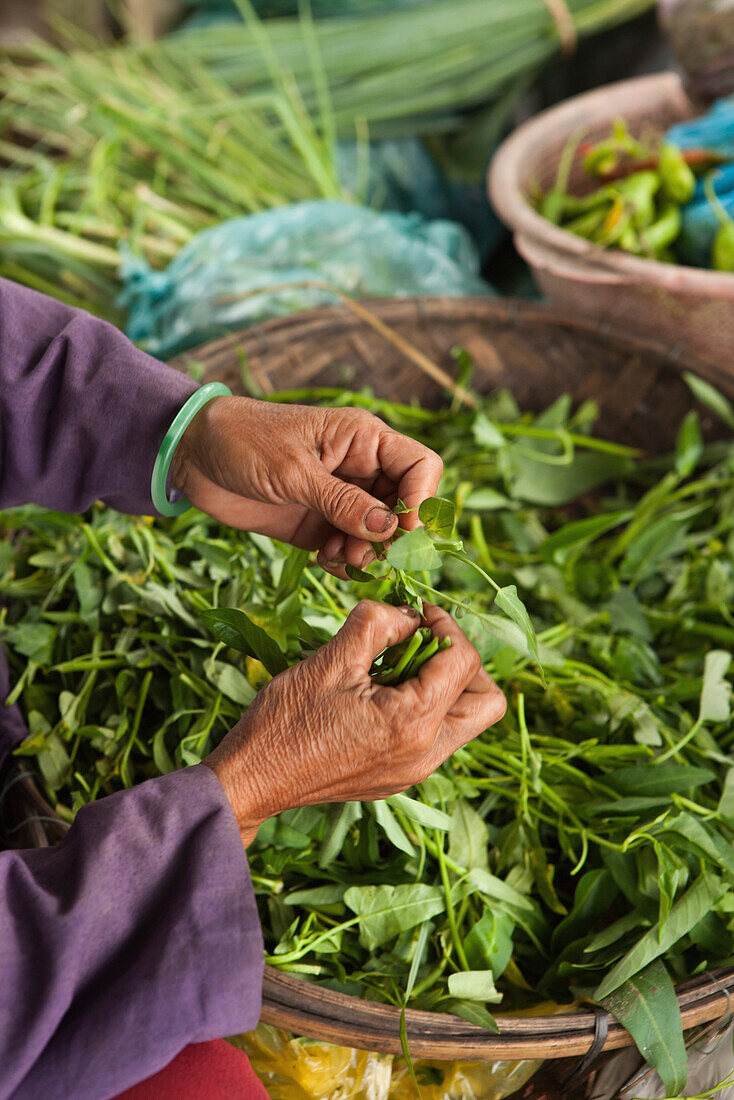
508,197
290,1001
513,311
323,1014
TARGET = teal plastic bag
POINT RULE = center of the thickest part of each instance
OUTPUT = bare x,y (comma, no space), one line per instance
223,279
403,176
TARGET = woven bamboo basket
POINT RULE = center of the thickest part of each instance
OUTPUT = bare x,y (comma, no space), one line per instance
540,354
688,307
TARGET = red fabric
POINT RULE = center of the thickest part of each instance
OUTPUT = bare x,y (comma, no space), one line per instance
202,1071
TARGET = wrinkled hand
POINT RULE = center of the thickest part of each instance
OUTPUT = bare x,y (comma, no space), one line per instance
323,731
317,478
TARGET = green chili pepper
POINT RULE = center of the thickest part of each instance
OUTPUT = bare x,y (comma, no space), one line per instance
639,191
616,223
630,241
677,178
605,155
553,203
586,225
663,232
722,249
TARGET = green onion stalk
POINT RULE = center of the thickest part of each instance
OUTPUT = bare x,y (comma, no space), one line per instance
130,150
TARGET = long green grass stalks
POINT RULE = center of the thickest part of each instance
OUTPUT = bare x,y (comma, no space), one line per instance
108,150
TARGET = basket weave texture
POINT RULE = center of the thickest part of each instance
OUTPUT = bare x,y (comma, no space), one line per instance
539,354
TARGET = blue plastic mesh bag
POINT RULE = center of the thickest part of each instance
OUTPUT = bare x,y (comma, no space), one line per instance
207,290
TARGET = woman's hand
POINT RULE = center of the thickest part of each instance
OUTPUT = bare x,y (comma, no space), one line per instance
325,732
322,479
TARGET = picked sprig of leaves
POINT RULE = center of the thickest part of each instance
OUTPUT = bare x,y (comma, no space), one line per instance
581,847
411,558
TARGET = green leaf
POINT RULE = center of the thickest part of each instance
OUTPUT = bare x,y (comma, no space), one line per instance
716,691
689,445
391,827
34,640
358,575
486,433
685,914
626,614
647,1007
499,890
654,780
414,552
511,635
291,573
236,630
438,515
709,396
469,838
488,943
474,1014
573,537
487,500
231,682
507,600
614,932
428,816
277,833
726,801
317,896
594,895
386,911
539,483
660,541
474,985
342,816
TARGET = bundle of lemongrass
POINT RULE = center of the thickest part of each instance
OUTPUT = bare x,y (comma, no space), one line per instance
397,69
107,154
135,148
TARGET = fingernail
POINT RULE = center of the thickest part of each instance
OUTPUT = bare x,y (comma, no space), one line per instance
410,612
379,519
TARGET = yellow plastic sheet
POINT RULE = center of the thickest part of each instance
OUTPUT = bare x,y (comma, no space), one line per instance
302,1069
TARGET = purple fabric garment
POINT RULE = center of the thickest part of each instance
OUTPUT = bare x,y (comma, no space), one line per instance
135,936
82,416
138,934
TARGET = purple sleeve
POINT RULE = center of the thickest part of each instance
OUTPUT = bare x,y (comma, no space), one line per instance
82,411
135,936
138,934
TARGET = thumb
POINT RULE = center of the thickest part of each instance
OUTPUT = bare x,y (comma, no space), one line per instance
370,628
346,507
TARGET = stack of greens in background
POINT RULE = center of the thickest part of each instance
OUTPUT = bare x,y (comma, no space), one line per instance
581,847
131,150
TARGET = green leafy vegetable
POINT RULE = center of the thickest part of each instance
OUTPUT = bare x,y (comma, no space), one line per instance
235,629
583,842
647,1006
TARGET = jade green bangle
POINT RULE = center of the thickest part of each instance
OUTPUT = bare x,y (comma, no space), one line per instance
171,440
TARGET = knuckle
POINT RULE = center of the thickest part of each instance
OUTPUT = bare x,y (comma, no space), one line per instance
367,611
436,462
473,660
364,419
498,704
340,495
